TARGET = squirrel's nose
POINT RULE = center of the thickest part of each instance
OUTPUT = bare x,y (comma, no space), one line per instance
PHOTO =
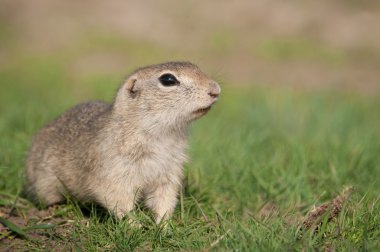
214,90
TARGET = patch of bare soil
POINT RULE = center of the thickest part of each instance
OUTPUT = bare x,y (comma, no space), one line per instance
24,227
268,210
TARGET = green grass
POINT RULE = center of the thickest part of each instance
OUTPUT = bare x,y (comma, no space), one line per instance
291,148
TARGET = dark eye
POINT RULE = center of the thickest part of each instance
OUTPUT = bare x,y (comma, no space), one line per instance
168,80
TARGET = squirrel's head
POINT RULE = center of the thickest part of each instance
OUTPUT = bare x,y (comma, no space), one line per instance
168,95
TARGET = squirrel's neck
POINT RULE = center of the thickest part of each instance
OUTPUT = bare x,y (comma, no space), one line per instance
125,137
131,125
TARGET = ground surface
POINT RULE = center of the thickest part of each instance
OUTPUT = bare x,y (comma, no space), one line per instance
297,123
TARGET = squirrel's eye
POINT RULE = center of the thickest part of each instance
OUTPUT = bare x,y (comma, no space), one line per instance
168,80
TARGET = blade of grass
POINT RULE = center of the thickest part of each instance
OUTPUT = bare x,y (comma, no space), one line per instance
40,226
13,227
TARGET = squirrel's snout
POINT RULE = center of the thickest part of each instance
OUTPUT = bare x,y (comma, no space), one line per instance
214,90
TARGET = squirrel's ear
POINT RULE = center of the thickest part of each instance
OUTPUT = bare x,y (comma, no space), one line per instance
130,87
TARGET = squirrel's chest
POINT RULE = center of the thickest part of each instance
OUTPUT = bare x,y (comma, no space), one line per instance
163,160
153,162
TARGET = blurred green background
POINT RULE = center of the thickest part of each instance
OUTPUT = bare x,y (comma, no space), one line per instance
298,119
312,44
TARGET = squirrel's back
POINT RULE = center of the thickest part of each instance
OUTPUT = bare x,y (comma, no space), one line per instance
81,121
63,142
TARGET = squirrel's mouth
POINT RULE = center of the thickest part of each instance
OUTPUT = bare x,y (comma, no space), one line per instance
202,110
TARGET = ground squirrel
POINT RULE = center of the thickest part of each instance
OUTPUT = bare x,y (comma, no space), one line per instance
113,154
